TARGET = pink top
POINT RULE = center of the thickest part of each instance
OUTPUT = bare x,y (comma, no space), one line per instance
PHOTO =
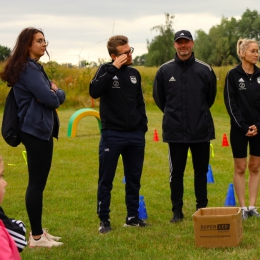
8,249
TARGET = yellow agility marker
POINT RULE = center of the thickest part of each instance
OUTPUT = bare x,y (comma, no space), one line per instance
24,153
189,153
212,150
11,164
78,115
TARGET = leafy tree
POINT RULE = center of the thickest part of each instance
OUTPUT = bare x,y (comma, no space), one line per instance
219,46
83,64
92,64
161,49
140,60
221,54
220,43
249,25
231,32
202,46
5,52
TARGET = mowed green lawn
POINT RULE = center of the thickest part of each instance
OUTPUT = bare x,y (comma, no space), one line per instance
70,199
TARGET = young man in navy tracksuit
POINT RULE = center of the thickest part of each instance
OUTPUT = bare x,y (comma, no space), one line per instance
124,123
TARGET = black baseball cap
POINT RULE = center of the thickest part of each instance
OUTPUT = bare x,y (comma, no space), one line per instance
183,34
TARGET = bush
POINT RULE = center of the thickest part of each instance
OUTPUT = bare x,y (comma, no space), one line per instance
75,82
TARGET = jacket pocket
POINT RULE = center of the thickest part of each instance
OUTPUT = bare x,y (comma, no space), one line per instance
38,117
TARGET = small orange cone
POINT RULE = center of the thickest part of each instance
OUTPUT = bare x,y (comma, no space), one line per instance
155,136
225,140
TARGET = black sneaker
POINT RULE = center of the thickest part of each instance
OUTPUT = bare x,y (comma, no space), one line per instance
134,222
244,214
104,226
177,217
253,213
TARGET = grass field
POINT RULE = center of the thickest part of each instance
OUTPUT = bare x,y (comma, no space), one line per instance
70,199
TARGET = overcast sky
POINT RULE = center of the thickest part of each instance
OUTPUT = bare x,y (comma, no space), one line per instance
79,29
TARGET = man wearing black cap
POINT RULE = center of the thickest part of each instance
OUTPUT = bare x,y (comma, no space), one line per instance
184,90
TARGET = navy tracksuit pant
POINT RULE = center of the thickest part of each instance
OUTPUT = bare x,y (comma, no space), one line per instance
200,159
131,147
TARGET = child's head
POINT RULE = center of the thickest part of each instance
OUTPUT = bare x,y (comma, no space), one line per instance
3,183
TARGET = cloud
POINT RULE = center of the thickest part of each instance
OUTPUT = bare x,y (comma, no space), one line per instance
91,45
79,29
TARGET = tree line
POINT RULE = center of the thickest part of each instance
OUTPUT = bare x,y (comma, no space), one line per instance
5,52
216,48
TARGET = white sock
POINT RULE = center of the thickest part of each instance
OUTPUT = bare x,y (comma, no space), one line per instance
244,208
251,207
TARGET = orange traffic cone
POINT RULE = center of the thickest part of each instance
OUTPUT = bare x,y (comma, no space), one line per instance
225,140
155,136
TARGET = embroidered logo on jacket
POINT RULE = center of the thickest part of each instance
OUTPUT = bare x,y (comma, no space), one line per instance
242,85
258,80
115,84
115,78
172,79
133,79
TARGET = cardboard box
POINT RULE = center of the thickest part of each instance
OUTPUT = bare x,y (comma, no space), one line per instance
218,227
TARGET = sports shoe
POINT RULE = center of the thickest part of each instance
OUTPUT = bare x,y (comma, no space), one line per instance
244,214
44,241
104,226
177,217
253,213
47,234
134,222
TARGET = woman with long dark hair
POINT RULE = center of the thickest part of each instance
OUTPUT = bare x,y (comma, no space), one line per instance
37,99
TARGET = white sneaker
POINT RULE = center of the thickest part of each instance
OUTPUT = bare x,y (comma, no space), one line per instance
44,241
47,234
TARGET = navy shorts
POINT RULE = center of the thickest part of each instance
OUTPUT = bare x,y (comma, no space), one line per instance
239,143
